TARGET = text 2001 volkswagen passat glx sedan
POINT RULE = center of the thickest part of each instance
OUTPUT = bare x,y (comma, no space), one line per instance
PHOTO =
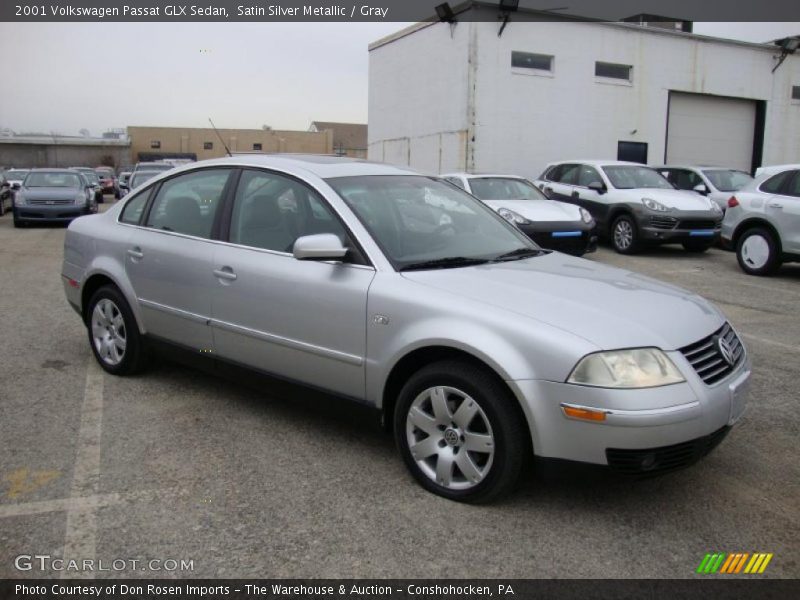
390,287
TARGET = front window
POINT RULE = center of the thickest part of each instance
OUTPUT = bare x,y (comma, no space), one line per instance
629,177
504,188
53,179
728,180
422,222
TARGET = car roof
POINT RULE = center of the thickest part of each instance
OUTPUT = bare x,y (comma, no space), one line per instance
322,166
482,175
597,163
699,167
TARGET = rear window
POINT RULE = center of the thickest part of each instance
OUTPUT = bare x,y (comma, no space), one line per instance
774,184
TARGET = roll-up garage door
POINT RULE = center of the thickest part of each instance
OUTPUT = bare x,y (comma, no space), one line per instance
710,130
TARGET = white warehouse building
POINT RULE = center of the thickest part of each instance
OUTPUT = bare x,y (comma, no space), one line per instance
458,97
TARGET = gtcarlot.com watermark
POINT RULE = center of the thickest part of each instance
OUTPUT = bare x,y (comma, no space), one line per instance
45,562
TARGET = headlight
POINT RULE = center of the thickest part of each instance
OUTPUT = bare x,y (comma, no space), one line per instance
653,205
586,216
81,198
510,215
19,198
636,368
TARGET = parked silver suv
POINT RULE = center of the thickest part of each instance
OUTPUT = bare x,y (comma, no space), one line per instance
405,292
634,205
762,222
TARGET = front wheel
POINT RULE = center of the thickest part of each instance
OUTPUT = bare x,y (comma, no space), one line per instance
757,252
113,334
459,432
625,235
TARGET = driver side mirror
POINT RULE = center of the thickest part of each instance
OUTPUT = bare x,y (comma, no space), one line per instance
15,186
598,187
701,188
320,246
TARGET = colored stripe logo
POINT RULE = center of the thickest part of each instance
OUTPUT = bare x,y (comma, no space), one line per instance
734,563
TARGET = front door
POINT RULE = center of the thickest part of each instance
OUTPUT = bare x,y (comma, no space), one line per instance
302,320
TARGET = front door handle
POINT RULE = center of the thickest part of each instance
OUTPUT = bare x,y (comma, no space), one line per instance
775,205
575,194
136,253
225,273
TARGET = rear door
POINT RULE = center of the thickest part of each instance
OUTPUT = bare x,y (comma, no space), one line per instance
784,212
169,259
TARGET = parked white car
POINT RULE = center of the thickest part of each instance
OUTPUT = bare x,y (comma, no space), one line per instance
551,224
717,183
763,222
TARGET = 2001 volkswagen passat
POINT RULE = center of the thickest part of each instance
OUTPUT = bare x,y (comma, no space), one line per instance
397,289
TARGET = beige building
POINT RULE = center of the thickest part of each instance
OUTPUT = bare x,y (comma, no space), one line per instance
349,139
155,143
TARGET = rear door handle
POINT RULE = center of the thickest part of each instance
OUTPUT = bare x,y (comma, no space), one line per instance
775,205
225,273
135,252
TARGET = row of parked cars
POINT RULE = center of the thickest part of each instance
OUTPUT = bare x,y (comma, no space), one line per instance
60,195
573,203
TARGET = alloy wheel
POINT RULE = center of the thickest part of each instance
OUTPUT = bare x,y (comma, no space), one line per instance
450,438
109,334
623,235
755,251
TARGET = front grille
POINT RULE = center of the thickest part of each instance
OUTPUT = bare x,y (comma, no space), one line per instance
50,202
663,459
701,224
663,222
708,359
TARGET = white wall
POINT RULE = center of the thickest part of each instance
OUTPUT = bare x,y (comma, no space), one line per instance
526,121
418,89
417,102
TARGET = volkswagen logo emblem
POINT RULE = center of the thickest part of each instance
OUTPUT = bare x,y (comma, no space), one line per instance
725,349
451,437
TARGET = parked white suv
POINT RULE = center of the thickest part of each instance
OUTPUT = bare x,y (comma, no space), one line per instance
718,183
634,204
763,222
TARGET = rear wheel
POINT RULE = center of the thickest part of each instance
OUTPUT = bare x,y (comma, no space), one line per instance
459,432
757,252
625,235
696,246
113,334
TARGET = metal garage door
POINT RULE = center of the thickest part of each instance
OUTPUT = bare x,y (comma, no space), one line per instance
710,130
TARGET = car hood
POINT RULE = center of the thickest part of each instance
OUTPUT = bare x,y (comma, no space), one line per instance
677,199
539,210
611,308
51,193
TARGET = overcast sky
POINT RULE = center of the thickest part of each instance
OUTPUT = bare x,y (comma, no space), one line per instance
63,77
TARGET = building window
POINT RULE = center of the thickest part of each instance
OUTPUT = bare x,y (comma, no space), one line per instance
796,92
256,146
155,144
527,60
613,70
208,145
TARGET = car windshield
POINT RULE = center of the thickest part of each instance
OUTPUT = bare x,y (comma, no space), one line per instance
504,188
629,177
727,180
53,179
15,175
141,176
422,222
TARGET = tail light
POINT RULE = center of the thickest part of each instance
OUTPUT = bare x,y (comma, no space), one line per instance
733,202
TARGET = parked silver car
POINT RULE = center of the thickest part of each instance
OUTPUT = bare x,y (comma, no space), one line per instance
763,222
717,183
478,347
53,195
551,224
634,205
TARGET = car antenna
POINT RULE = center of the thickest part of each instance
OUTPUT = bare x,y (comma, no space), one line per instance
220,137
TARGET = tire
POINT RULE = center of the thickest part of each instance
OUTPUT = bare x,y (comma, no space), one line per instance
496,430
757,252
116,195
18,224
625,235
110,321
697,246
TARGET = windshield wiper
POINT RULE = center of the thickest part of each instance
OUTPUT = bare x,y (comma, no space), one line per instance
518,254
445,263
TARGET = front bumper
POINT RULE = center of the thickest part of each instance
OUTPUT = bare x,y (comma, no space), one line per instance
679,226
54,213
654,424
571,237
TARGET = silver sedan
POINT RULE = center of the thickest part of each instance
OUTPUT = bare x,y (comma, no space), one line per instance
403,292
